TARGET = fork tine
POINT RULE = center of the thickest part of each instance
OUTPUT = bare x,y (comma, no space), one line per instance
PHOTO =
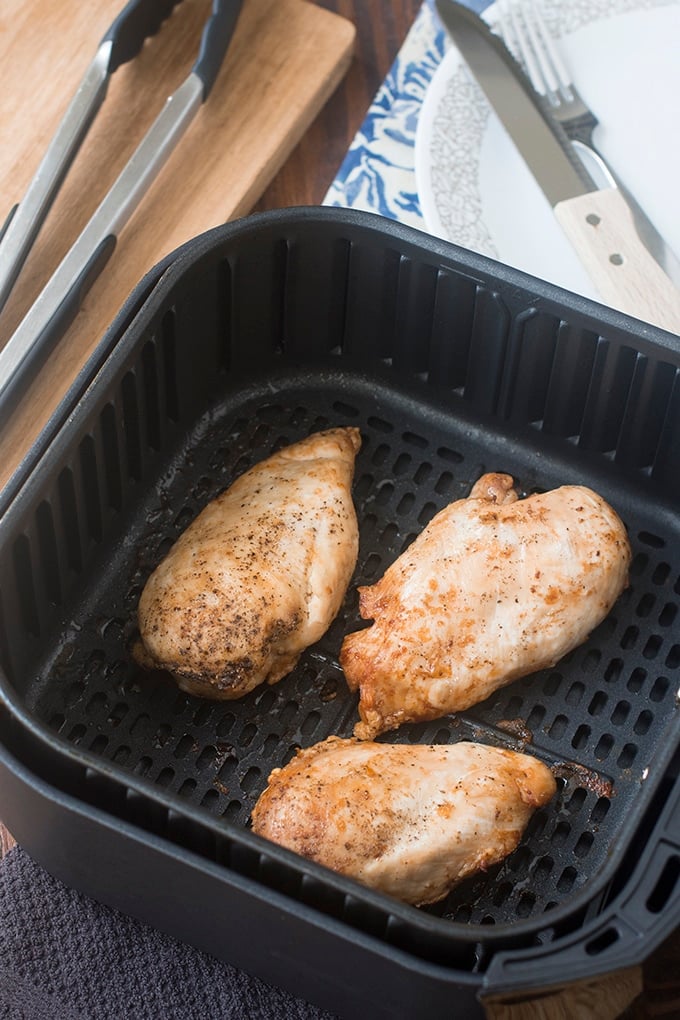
529,14
516,36
516,41
563,77
525,32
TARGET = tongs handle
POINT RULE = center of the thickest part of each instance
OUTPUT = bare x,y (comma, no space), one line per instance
137,22
60,299
26,219
123,40
141,19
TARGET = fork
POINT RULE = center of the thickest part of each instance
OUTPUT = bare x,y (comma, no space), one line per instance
526,35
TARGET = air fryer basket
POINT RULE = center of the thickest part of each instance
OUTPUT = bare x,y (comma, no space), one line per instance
256,335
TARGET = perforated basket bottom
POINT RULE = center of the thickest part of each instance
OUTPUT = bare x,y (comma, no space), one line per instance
606,707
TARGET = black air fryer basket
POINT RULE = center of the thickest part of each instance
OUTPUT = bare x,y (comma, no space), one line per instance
255,335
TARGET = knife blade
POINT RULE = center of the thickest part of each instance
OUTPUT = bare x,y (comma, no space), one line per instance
597,221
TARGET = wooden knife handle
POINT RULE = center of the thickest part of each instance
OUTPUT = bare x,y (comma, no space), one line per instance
601,228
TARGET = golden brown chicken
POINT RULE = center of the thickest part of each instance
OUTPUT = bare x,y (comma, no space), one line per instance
494,588
408,820
259,575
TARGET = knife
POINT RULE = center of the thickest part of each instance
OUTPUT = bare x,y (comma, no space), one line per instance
552,81
597,221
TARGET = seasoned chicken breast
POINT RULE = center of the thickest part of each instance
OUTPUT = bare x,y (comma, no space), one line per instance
408,820
494,588
260,573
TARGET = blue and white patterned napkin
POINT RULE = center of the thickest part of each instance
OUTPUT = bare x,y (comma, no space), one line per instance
378,172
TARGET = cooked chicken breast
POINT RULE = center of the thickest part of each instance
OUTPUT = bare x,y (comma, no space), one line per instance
494,588
409,820
259,575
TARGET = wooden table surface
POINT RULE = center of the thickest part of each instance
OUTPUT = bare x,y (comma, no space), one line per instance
303,180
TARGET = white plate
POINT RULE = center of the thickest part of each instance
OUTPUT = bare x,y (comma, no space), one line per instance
475,188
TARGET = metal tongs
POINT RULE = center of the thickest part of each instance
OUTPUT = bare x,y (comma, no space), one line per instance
57,304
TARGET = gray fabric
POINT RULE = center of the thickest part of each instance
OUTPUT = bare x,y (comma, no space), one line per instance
64,956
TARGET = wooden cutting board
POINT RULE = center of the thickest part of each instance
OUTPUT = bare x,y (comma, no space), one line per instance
285,60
